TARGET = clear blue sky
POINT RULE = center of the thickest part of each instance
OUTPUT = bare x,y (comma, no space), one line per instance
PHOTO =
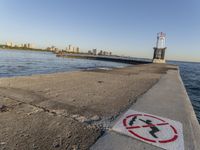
126,27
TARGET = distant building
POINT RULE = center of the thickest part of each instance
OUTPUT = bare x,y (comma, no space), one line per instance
94,51
52,48
17,45
89,52
100,52
9,44
77,50
48,48
105,53
29,45
72,49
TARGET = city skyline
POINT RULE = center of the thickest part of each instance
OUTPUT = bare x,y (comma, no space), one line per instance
125,27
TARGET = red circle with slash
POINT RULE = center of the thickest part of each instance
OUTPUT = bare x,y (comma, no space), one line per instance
162,122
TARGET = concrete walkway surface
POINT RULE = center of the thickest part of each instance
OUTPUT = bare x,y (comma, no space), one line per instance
168,99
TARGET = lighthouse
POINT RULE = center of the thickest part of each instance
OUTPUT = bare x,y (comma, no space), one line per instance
159,50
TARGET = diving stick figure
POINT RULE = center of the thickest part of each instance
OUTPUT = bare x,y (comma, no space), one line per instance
154,129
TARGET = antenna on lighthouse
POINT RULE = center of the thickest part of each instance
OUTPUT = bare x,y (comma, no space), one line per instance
159,50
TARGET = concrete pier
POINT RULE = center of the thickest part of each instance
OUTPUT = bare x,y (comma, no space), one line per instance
68,110
77,110
168,98
127,60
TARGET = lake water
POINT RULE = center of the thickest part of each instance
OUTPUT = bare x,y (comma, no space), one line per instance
22,63
190,74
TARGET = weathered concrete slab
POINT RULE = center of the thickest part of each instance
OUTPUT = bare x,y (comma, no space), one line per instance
86,93
168,98
26,127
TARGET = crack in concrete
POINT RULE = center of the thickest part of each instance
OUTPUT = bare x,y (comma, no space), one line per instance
32,103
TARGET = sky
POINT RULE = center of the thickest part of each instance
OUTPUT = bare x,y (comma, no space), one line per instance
125,27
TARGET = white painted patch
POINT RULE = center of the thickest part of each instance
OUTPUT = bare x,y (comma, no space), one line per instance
155,130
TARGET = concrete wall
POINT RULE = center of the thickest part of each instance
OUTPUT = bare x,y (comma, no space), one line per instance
169,99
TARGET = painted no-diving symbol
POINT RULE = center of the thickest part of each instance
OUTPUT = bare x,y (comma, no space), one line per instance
150,128
154,130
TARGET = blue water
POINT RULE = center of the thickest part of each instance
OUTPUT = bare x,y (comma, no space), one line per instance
190,74
22,63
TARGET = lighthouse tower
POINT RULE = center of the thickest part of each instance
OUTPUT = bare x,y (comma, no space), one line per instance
159,50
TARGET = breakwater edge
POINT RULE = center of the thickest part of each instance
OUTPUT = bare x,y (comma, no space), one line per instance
190,74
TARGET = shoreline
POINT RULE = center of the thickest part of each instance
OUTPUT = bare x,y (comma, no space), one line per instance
21,49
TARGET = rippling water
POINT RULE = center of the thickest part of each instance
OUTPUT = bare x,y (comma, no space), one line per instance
190,74
21,63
